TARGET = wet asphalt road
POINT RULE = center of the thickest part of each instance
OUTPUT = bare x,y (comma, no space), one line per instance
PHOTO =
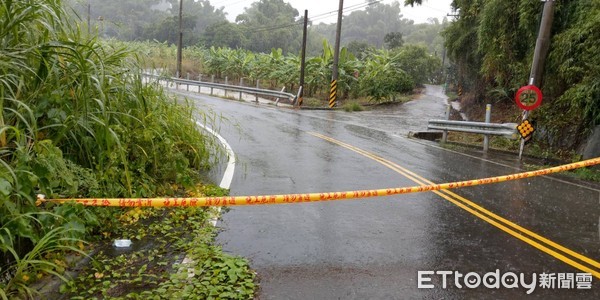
373,248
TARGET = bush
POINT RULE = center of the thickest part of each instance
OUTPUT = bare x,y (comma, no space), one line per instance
76,121
417,63
383,79
353,106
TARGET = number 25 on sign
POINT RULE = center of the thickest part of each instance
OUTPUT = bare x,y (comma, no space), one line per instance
528,97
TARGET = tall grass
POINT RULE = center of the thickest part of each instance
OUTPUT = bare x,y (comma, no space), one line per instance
36,261
76,120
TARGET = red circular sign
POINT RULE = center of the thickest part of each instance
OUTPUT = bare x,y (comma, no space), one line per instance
528,97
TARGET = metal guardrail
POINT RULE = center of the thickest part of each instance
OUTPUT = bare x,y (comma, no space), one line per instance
226,87
508,130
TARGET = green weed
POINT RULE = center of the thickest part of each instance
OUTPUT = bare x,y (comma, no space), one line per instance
77,121
353,106
150,272
24,269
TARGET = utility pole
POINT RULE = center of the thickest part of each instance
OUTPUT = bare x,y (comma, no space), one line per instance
89,10
180,42
542,46
444,75
336,58
303,59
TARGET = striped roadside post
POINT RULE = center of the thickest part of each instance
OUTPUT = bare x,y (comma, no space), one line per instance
333,94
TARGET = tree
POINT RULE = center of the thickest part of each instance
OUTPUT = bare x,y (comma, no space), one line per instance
204,14
417,63
573,71
224,34
413,2
167,31
269,24
149,19
492,42
429,35
393,40
373,23
125,20
359,48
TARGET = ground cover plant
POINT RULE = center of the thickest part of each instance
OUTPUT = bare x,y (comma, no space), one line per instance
147,270
77,121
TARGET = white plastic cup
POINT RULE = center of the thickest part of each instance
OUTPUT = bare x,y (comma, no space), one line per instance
122,243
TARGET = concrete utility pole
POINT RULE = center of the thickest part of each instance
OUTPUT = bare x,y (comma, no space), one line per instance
180,39
303,59
336,58
542,46
89,23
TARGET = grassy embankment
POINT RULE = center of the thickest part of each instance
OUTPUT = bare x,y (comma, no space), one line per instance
76,121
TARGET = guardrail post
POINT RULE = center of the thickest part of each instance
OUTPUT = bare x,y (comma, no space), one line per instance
177,84
445,134
257,87
187,76
488,119
212,79
226,83
241,84
277,100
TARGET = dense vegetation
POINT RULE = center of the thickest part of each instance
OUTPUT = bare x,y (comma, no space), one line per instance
492,44
264,43
380,75
265,24
76,121
378,22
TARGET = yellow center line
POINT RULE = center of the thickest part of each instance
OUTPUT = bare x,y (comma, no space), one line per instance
507,222
483,213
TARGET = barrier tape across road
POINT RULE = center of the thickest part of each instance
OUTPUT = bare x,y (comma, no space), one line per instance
312,197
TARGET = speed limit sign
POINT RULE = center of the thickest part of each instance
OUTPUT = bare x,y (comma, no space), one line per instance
528,97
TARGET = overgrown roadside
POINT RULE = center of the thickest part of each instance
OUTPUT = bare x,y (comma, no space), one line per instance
538,155
77,121
152,267
500,113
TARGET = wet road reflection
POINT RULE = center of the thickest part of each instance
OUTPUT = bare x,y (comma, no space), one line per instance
374,248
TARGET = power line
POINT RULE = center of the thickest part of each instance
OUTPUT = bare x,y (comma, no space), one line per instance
434,8
297,23
350,8
346,9
274,27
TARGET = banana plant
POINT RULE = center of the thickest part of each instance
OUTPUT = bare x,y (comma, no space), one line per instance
382,78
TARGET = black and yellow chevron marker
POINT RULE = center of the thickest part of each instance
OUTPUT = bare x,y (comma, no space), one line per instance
525,129
459,90
333,94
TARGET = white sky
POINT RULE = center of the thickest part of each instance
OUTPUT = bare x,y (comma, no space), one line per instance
420,14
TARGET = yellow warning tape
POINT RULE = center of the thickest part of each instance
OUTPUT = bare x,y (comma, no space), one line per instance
312,197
